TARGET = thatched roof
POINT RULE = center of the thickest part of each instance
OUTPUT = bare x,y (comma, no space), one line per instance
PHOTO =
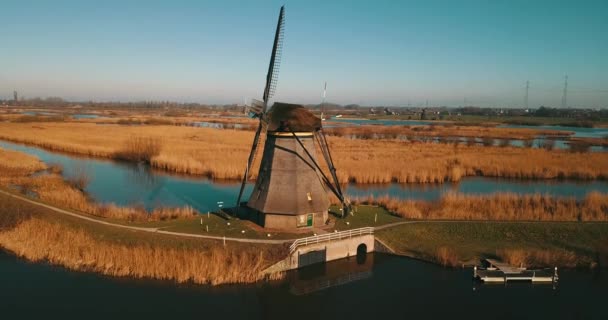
286,116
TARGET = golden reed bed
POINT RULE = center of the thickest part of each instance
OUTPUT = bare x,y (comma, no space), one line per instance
222,154
76,249
16,169
447,130
498,207
37,234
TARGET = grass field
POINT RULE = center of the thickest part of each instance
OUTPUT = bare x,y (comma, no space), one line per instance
214,225
453,243
365,216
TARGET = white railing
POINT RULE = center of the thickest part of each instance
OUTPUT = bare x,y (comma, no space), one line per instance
330,237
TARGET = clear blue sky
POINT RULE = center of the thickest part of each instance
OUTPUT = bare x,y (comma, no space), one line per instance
369,52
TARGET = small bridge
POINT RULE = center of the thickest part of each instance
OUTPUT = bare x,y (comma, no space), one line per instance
327,247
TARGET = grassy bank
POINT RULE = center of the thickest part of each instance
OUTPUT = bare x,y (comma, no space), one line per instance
531,243
37,234
221,154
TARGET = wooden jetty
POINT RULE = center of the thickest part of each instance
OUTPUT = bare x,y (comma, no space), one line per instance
500,272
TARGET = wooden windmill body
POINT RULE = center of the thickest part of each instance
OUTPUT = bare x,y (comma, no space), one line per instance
291,189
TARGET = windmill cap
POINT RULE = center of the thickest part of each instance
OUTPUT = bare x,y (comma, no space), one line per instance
286,117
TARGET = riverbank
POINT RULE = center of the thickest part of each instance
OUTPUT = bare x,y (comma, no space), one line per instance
532,244
21,236
38,234
220,154
29,175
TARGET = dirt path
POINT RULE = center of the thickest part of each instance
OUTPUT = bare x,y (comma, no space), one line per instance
179,234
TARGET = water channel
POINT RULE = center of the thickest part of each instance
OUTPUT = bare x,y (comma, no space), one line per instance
382,287
131,184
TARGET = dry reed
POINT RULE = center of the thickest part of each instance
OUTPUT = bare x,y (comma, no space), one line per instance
499,207
539,258
16,169
222,154
446,257
442,131
74,248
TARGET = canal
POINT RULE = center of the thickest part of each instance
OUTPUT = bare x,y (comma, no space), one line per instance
125,184
382,287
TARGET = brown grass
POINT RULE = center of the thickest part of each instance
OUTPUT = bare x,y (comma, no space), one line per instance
16,169
76,249
222,154
442,131
447,257
55,190
19,162
539,258
140,149
499,207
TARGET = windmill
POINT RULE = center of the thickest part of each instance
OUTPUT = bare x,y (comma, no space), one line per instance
291,189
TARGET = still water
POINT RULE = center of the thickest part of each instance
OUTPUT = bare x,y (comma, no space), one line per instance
382,287
383,122
130,184
579,132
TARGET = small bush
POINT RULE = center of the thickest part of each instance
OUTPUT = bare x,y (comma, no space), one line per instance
446,257
81,179
579,146
158,122
140,149
548,144
487,141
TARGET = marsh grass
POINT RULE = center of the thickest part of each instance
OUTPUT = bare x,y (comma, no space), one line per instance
222,154
140,149
498,207
442,131
539,257
16,169
447,257
75,248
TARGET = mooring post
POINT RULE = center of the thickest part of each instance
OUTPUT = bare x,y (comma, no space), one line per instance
555,274
224,241
474,272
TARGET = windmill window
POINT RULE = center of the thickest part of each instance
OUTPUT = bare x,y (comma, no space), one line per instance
309,196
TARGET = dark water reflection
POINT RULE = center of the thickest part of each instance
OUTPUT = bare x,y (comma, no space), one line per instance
131,184
396,288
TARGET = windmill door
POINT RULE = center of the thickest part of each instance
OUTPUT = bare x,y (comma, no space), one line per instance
309,220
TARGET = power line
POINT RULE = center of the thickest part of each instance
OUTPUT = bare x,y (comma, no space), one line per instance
526,97
565,94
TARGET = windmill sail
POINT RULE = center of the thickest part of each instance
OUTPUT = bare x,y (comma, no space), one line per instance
271,84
